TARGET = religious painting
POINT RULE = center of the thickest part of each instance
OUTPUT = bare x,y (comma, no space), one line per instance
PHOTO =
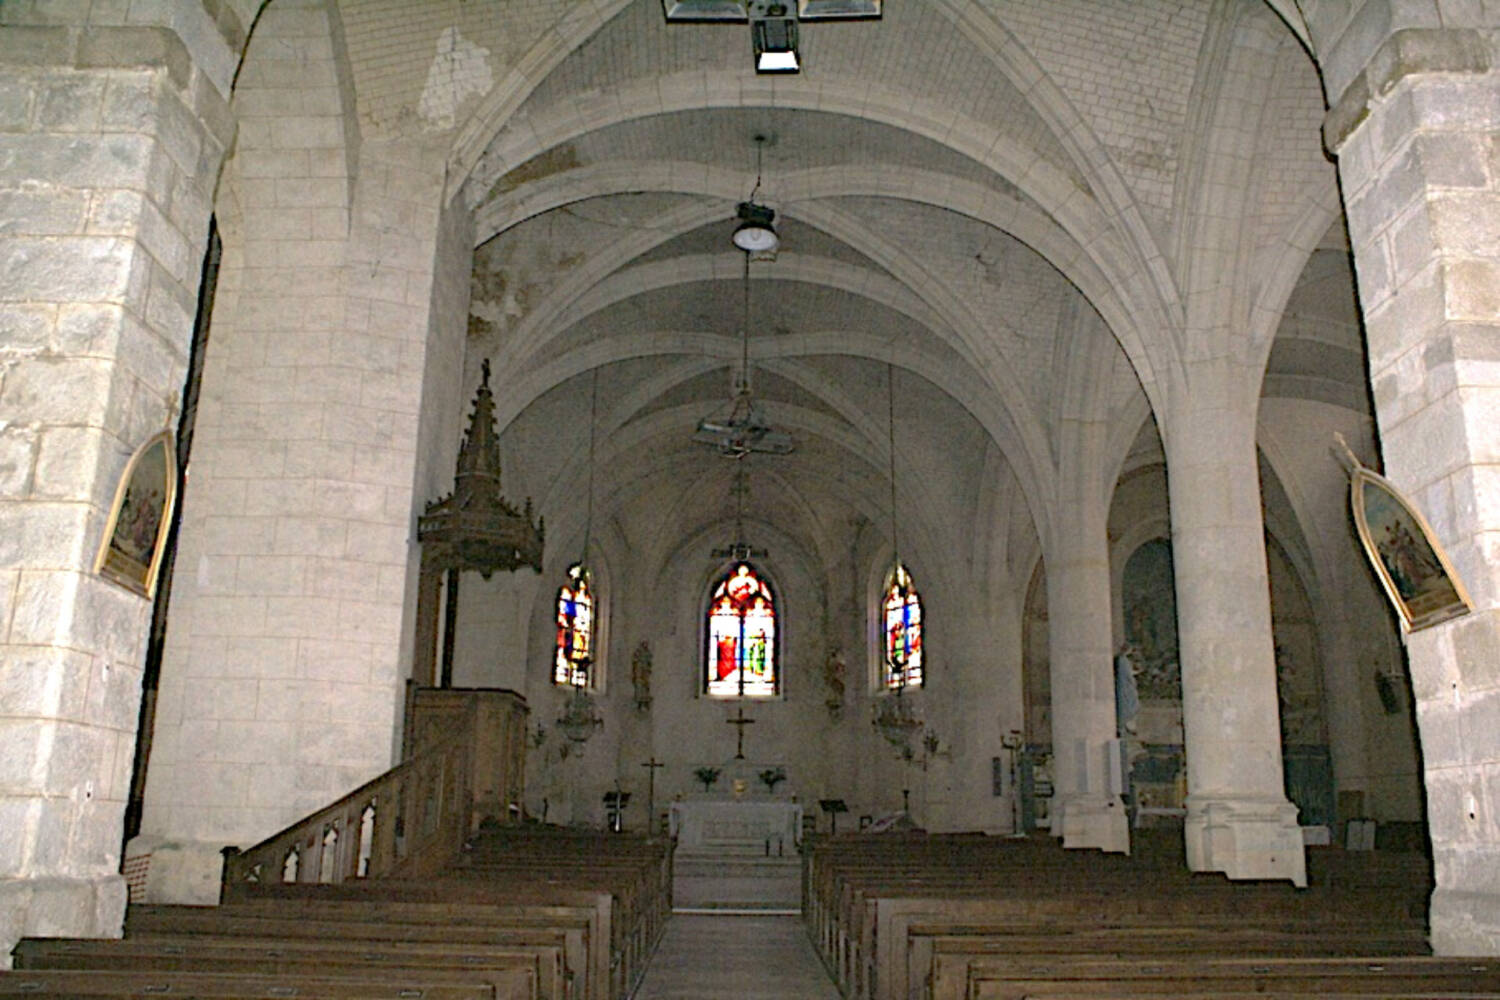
136,534
741,634
902,629
1150,599
574,646
1405,554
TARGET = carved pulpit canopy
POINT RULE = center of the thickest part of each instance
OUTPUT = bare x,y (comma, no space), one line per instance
474,527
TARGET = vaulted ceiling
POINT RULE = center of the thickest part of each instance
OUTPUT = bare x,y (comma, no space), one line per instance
970,197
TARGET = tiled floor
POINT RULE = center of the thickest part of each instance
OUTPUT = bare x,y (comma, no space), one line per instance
704,957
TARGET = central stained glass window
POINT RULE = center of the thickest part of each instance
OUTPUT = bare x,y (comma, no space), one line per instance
741,655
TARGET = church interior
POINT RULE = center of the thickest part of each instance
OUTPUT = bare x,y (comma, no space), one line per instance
751,427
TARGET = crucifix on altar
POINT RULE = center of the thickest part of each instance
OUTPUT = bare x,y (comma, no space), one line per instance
652,765
739,743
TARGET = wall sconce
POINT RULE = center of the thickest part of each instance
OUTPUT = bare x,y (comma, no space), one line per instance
895,721
579,720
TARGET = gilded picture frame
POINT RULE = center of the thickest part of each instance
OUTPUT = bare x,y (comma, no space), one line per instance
135,536
1410,563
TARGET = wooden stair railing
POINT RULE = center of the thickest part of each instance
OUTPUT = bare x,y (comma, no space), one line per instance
464,757
410,821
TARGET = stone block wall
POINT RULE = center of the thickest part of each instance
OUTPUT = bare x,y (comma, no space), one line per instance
111,136
1415,136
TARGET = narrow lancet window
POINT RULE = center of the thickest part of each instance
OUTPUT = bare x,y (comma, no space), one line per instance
741,655
574,659
902,631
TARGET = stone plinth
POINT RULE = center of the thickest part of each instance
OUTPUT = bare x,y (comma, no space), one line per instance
736,883
1245,838
736,855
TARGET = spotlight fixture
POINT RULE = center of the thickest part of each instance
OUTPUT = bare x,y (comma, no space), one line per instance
743,10
817,10
775,43
773,23
706,10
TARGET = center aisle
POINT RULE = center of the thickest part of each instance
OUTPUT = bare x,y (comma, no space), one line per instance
709,956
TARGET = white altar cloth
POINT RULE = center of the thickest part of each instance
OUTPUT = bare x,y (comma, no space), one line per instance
757,827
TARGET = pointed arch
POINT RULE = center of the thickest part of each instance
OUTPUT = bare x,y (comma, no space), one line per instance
741,650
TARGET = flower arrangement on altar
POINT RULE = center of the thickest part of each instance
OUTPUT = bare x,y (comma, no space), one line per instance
771,777
707,775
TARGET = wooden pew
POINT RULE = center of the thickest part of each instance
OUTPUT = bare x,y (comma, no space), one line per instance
603,899
561,936
1047,976
875,904
897,957
636,871
122,984
516,974
938,958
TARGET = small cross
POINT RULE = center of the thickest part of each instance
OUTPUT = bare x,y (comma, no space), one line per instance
742,722
653,764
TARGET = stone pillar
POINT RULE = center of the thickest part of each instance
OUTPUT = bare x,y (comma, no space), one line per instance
1417,136
1086,812
110,139
282,677
1239,820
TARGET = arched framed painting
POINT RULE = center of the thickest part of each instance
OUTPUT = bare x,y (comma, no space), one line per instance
139,519
1408,560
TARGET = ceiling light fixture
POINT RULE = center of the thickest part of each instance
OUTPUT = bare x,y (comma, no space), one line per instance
773,23
756,233
741,428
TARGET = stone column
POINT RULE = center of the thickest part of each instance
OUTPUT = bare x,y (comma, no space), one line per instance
1086,813
1417,136
110,139
282,680
339,316
1239,820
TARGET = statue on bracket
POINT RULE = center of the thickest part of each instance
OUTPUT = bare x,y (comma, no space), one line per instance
834,671
640,675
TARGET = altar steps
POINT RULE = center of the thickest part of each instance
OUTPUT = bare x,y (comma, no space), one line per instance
736,884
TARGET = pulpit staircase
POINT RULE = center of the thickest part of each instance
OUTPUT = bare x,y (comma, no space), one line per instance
421,883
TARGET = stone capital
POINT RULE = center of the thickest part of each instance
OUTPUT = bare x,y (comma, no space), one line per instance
1404,53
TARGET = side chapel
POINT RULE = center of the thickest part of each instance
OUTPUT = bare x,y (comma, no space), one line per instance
948,430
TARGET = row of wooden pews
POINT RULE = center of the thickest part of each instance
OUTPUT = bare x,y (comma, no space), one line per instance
978,918
524,914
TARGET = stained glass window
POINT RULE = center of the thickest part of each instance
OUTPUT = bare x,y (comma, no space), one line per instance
575,629
902,631
741,656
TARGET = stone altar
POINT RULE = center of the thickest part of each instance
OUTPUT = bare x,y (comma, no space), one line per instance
761,826
738,850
